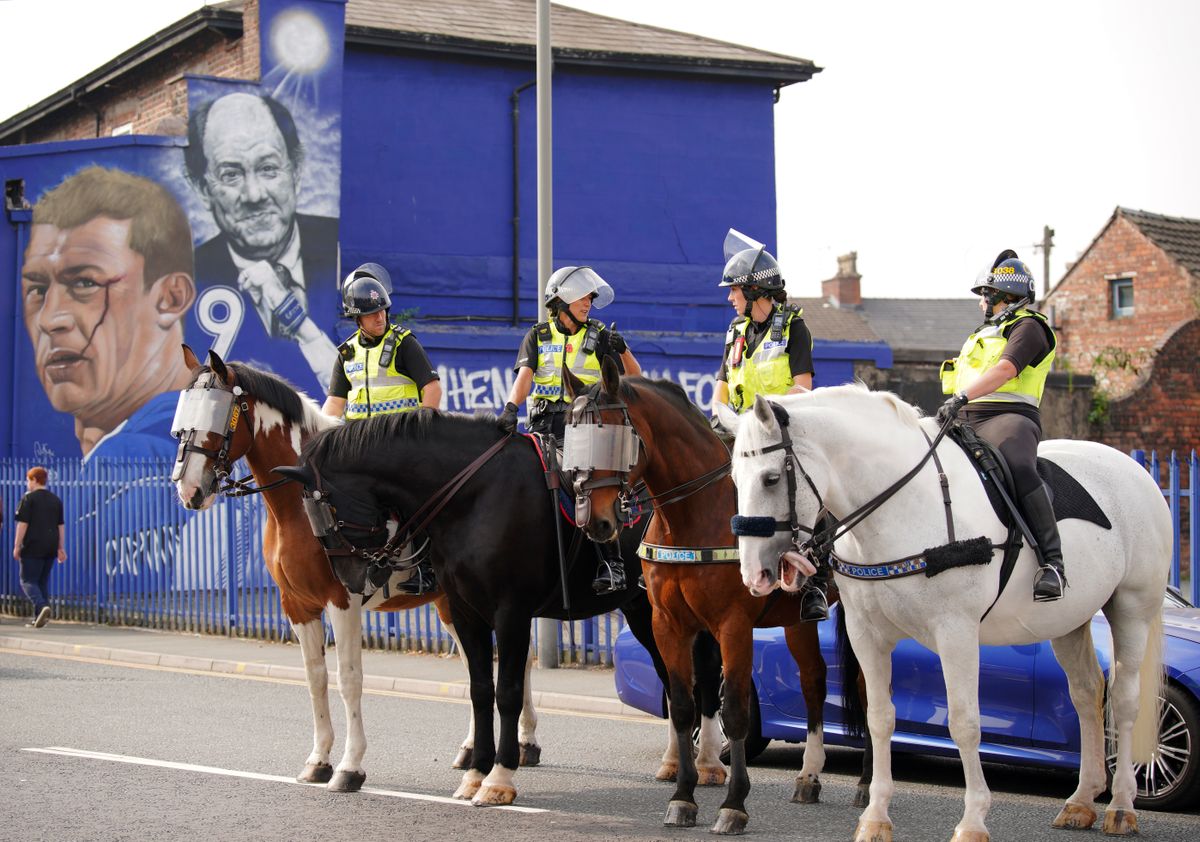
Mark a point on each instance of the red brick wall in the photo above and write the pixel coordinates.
(1164, 295)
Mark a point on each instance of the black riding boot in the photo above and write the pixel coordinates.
(422, 580)
(1051, 576)
(814, 599)
(610, 572)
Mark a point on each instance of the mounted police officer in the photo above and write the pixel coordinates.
(996, 383)
(572, 339)
(381, 370)
(768, 350)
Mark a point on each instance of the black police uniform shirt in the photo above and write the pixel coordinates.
(1027, 345)
(411, 359)
(42, 512)
(527, 357)
(799, 347)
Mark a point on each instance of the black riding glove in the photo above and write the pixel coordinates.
(508, 418)
(949, 410)
(616, 342)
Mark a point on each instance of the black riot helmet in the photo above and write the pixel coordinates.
(366, 291)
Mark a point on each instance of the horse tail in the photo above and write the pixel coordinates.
(1145, 728)
(854, 716)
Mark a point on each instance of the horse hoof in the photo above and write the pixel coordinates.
(730, 822)
(873, 832)
(667, 772)
(464, 758)
(970, 836)
(343, 781)
(491, 795)
(680, 814)
(862, 795)
(807, 791)
(1074, 817)
(710, 776)
(471, 781)
(1120, 823)
(531, 754)
(315, 773)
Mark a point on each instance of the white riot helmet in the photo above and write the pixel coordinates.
(571, 283)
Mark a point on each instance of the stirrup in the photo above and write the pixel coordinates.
(610, 577)
(422, 581)
(814, 605)
(1046, 589)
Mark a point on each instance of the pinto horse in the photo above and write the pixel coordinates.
(695, 584)
(495, 549)
(277, 420)
(870, 461)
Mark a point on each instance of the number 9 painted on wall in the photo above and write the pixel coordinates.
(219, 313)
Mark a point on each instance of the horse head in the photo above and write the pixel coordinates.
(781, 496)
(213, 427)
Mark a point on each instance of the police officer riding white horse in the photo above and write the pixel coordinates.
(381, 370)
(569, 338)
(768, 350)
(996, 385)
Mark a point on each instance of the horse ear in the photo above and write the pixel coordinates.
(190, 359)
(762, 411)
(726, 417)
(573, 387)
(218, 365)
(610, 377)
(297, 473)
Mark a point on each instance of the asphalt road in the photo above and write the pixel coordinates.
(98, 751)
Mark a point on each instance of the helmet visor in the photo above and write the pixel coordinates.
(572, 283)
(736, 241)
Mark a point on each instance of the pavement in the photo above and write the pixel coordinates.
(576, 689)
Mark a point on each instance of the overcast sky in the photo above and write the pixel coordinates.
(938, 133)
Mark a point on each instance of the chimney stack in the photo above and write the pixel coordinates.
(845, 288)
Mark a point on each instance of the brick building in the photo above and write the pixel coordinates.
(1128, 313)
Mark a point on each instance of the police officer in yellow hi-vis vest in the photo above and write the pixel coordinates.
(768, 350)
(569, 337)
(996, 384)
(382, 368)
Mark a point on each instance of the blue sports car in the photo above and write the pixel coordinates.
(1025, 710)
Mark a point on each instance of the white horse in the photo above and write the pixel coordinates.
(847, 445)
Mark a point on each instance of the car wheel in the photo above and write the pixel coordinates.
(756, 743)
(1172, 780)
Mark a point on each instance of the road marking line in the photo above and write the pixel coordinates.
(258, 776)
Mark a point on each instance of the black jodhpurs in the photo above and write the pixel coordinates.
(1016, 436)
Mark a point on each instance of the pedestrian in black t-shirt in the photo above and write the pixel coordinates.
(39, 541)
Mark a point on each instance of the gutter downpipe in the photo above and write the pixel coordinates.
(515, 99)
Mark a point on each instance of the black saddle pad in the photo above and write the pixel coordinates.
(1069, 497)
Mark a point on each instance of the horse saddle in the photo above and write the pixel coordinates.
(1069, 498)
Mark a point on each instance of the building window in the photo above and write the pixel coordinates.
(1122, 297)
(124, 128)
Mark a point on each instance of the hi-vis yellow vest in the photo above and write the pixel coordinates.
(552, 346)
(983, 349)
(768, 370)
(377, 389)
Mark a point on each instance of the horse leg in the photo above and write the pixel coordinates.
(681, 810)
(875, 658)
(706, 660)
(347, 634)
(1076, 654)
(512, 642)
(462, 760)
(958, 648)
(805, 646)
(476, 640)
(638, 618)
(311, 637)
(531, 752)
(737, 655)
(1137, 666)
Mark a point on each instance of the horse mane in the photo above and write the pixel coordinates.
(672, 393)
(836, 397)
(295, 406)
(369, 437)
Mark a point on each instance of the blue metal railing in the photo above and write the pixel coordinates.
(1178, 499)
(137, 558)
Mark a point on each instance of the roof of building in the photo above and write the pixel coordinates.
(923, 324)
(837, 324)
(495, 28)
(1178, 236)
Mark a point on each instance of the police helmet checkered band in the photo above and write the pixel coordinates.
(592, 447)
(571, 283)
(202, 410)
(1008, 275)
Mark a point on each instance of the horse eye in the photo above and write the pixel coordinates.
(771, 479)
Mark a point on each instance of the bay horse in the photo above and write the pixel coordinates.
(684, 465)
(495, 550)
(846, 449)
(269, 432)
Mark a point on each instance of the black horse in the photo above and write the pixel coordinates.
(495, 551)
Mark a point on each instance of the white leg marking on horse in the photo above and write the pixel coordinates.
(497, 788)
(347, 633)
(527, 724)
(468, 744)
(311, 637)
(669, 767)
(709, 753)
(814, 754)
